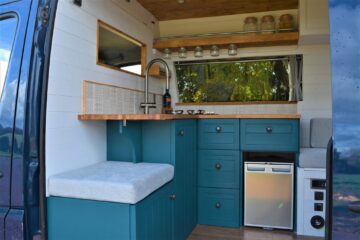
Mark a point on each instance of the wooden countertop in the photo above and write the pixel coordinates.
(182, 116)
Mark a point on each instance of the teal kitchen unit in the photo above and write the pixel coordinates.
(219, 173)
(221, 146)
(207, 188)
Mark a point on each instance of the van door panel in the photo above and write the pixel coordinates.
(14, 222)
(13, 20)
(3, 213)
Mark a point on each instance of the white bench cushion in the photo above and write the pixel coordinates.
(312, 158)
(122, 182)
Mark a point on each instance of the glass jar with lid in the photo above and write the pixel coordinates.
(267, 24)
(251, 24)
(286, 22)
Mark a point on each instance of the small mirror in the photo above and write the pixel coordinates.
(119, 51)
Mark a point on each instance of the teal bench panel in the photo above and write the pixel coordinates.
(153, 216)
(74, 219)
(219, 207)
(219, 168)
(124, 143)
(156, 141)
(218, 134)
(269, 135)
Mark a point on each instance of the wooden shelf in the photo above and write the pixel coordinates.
(242, 41)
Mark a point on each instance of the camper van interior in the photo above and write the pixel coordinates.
(187, 119)
(236, 146)
(230, 143)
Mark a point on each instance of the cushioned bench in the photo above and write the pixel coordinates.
(313, 151)
(111, 181)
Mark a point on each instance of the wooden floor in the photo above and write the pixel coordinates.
(202, 232)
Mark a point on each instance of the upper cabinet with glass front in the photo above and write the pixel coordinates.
(119, 51)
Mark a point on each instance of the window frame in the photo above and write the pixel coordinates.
(134, 40)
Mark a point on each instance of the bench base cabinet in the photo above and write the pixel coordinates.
(155, 217)
(74, 219)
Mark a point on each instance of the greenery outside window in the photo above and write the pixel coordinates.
(243, 80)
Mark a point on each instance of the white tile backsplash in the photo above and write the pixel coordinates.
(110, 99)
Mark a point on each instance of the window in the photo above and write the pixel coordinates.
(244, 80)
(7, 26)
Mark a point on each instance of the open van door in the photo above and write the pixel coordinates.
(25, 38)
(13, 23)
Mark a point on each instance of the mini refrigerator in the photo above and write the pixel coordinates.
(269, 194)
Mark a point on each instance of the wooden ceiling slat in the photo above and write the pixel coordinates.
(170, 9)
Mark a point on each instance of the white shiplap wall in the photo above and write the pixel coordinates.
(71, 143)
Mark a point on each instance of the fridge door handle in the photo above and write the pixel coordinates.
(355, 207)
(281, 170)
(256, 169)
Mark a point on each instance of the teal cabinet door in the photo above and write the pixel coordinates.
(152, 217)
(219, 168)
(219, 207)
(185, 178)
(270, 135)
(218, 134)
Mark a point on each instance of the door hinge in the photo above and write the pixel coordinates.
(44, 14)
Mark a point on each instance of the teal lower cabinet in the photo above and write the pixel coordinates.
(184, 160)
(75, 219)
(269, 135)
(174, 142)
(219, 207)
(219, 173)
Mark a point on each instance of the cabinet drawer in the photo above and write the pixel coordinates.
(219, 134)
(219, 168)
(270, 135)
(219, 207)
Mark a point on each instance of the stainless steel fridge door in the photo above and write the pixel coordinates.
(269, 195)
